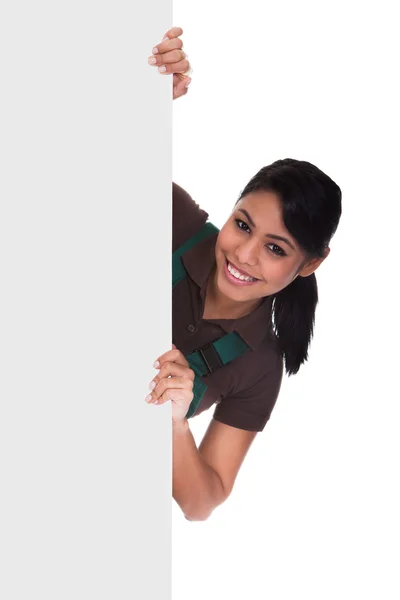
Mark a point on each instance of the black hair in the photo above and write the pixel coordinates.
(312, 206)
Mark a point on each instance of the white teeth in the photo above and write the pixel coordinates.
(238, 275)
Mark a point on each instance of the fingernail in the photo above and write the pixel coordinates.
(156, 365)
(188, 83)
(156, 402)
(162, 69)
(148, 398)
(155, 50)
(165, 39)
(152, 385)
(152, 61)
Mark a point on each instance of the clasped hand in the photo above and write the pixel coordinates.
(173, 382)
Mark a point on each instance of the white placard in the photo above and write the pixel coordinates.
(85, 286)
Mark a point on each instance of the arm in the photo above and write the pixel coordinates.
(203, 478)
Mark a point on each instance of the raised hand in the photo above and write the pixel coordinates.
(170, 58)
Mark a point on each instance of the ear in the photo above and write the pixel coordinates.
(312, 265)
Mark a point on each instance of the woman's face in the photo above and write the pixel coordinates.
(255, 244)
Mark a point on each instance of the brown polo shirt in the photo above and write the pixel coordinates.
(245, 390)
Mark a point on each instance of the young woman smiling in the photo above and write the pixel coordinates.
(244, 301)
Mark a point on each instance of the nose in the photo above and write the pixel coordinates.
(247, 253)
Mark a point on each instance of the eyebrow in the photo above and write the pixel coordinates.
(270, 235)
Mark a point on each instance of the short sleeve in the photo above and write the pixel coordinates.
(187, 216)
(251, 408)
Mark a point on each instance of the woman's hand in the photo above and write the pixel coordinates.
(169, 55)
(174, 382)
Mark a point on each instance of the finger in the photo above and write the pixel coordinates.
(167, 46)
(170, 369)
(180, 67)
(173, 32)
(173, 355)
(179, 383)
(177, 396)
(174, 56)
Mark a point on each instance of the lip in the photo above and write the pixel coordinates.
(233, 279)
(240, 270)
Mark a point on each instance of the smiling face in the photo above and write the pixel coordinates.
(255, 246)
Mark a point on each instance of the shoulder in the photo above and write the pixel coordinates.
(258, 368)
(254, 388)
(263, 374)
(187, 216)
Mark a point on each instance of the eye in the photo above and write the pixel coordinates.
(277, 250)
(242, 225)
(274, 248)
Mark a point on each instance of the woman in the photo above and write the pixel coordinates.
(243, 308)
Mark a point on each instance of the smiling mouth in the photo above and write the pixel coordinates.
(238, 276)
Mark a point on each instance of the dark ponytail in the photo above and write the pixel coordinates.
(311, 208)
(293, 318)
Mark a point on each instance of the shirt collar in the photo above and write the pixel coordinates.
(199, 261)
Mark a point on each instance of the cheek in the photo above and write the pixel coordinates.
(224, 242)
(280, 271)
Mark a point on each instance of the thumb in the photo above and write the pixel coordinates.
(180, 87)
(185, 83)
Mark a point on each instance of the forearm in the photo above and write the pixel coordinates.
(197, 488)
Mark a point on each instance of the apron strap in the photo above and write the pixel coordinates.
(178, 270)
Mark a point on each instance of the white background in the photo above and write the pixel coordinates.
(85, 287)
(314, 513)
